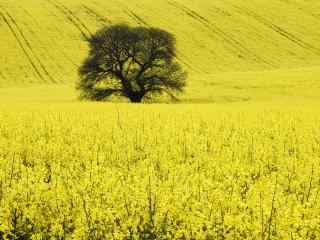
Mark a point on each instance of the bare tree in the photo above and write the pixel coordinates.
(133, 62)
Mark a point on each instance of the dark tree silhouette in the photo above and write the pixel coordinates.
(133, 62)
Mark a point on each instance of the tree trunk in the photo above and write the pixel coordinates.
(136, 97)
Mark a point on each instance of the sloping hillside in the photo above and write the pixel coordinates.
(43, 41)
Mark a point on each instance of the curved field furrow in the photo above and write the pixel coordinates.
(301, 8)
(182, 59)
(85, 32)
(75, 65)
(287, 35)
(95, 15)
(139, 20)
(60, 32)
(28, 44)
(20, 42)
(46, 56)
(237, 47)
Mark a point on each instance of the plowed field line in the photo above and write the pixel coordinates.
(285, 34)
(300, 8)
(21, 45)
(136, 18)
(186, 63)
(62, 50)
(27, 43)
(97, 16)
(237, 46)
(74, 20)
(48, 46)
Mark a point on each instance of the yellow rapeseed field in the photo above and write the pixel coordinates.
(237, 158)
(103, 171)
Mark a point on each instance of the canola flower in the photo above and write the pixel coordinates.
(159, 172)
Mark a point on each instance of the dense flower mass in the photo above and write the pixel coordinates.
(159, 172)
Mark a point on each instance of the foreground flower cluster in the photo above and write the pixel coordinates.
(159, 172)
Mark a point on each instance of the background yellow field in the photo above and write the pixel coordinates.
(233, 50)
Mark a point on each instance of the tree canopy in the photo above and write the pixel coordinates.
(134, 62)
